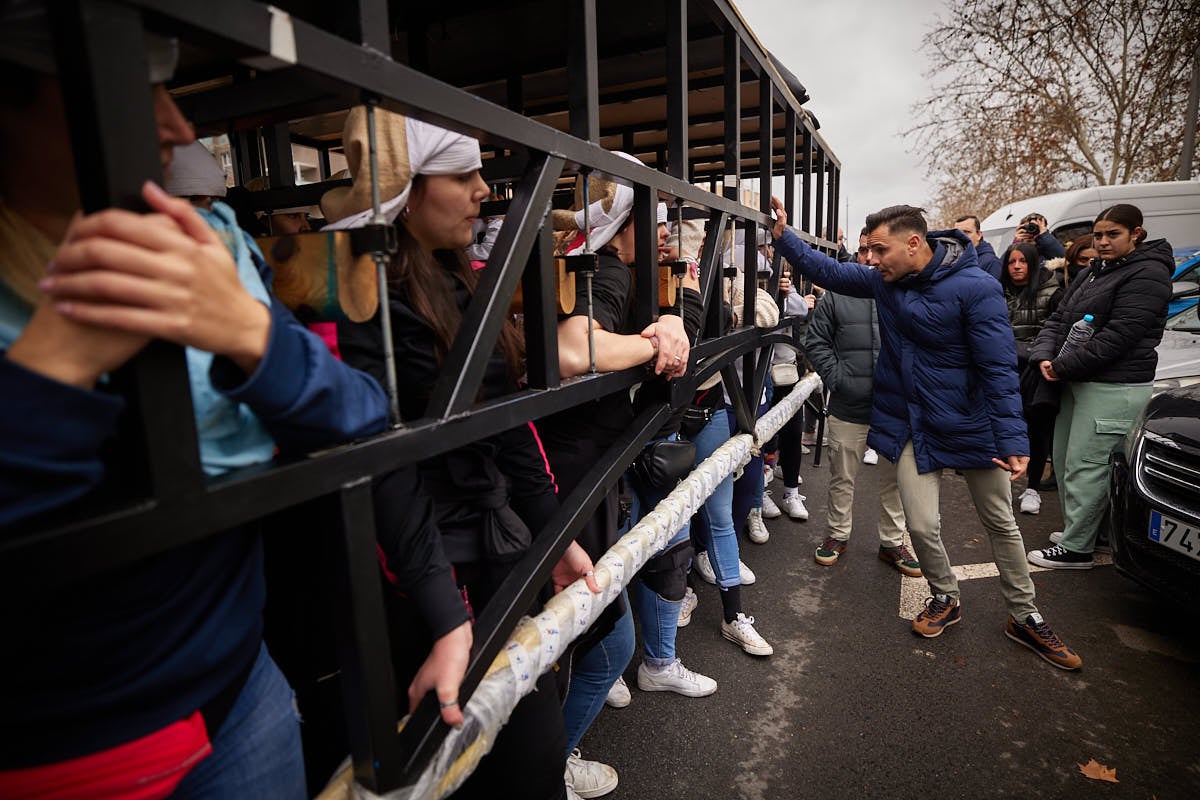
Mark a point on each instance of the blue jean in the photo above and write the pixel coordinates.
(720, 538)
(659, 616)
(748, 489)
(593, 675)
(256, 752)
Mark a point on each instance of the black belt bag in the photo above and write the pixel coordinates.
(661, 465)
(695, 419)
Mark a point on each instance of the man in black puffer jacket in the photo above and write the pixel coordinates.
(842, 344)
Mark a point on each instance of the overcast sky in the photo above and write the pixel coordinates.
(860, 61)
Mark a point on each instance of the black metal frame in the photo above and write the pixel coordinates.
(101, 56)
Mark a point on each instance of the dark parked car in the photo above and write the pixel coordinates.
(1154, 494)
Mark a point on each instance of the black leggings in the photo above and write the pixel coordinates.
(1040, 422)
(789, 439)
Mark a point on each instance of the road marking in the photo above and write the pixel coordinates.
(913, 591)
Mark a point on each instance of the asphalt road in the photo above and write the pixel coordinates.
(853, 705)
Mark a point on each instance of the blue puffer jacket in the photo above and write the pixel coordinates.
(946, 375)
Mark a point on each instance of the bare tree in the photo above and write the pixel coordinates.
(1035, 96)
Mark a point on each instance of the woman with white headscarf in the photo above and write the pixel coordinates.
(490, 496)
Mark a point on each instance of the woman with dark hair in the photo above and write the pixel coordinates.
(1079, 255)
(1105, 380)
(490, 497)
(1032, 292)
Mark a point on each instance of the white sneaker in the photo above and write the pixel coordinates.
(618, 694)
(589, 778)
(703, 568)
(755, 528)
(690, 601)
(870, 457)
(675, 678)
(768, 474)
(1031, 502)
(769, 509)
(741, 632)
(793, 506)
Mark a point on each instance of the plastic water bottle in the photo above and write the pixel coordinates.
(1079, 335)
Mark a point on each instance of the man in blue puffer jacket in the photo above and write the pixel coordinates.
(946, 395)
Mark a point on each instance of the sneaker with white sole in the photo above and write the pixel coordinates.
(1059, 557)
(793, 506)
(588, 779)
(703, 567)
(768, 474)
(742, 633)
(870, 457)
(690, 601)
(675, 678)
(756, 529)
(1101, 546)
(1031, 502)
(618, 694)
(769, 509)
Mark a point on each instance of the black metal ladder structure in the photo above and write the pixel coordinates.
(549, 88)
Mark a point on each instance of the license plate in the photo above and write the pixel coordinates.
(1175, 535)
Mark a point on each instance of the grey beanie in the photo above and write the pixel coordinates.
(194, 172)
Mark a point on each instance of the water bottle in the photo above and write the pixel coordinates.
(1079, 335)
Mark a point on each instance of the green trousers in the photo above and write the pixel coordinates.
(1093, 419)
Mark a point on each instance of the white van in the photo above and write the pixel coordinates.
(1171, 210)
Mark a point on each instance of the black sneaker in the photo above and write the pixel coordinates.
(1059, 557)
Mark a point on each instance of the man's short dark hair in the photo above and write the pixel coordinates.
(865, 231)
(974, 220)
(908, 219)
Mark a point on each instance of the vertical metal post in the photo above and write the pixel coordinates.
(820, 217)
(677, 88)
(541, 328)
(100, 49)
(766, 135)
(368, 678)
(279, 156)
(323, 163)
(645, 202)
(733, 113)
(369, 25)
(789, 164)
(381, 277)
(834, 183)
(583, 98)
(246, 161)
(805, 220)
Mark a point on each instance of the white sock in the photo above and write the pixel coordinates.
(791, 491)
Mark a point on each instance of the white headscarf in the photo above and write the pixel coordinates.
(431, 151)
(194, 172)
(605, 224)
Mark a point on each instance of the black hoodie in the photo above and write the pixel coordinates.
(1128, 298)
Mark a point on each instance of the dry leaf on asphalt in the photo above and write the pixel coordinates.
(1097, 771)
